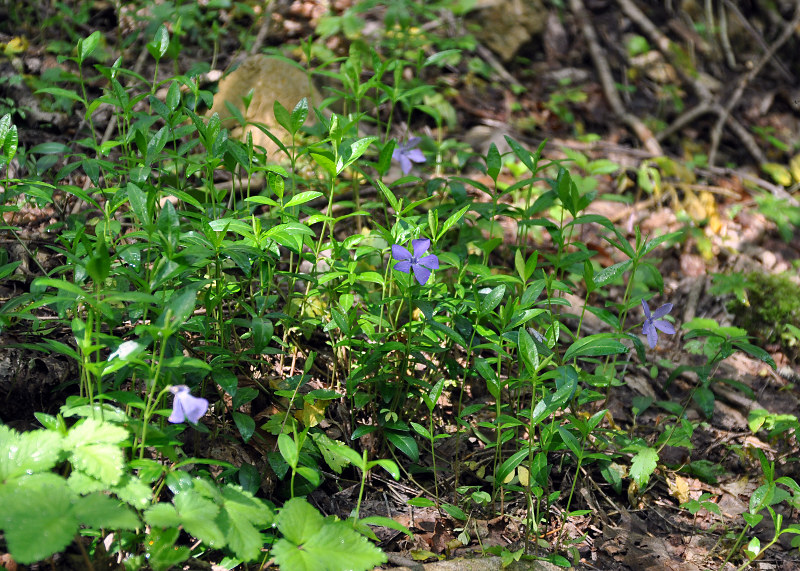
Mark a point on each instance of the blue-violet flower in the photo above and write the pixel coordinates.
(654, 321)
(405, 154)
(416, 262)
(185, 406)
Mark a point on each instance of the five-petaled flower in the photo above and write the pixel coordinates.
(185, 406)
(654, 321)
(416, 262)
(405, 154)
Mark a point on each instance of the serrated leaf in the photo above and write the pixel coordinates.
(330, 450)
(95, 450)
(37, 516)
(334, 546)
(298, 521)
(197, 516)
(643, 465)
(35, 451)
(241, 517)
(102, 512)
(162, 553)
(162, 515)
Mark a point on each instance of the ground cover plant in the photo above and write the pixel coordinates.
(258, 348)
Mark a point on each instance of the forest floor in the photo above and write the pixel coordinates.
(553, 89)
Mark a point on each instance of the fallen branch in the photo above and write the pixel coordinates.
(716, 132)
(607, 81)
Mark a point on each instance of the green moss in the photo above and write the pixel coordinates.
(774, 303)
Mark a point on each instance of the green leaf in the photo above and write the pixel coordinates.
(197, 516)
(510, 465)
(755, 351)
(27, 453)
(37, 516)
(451, 220)
(245, 424)
(643, 465)
(594, 346)
(86, 47)
(95, 450)
(302, 198)
(241, 517)
(405, 443)
(288, 449)
(493, 163)
(158, 47)
(704, 397)
(162, 553)
(492, 299)
(326, 163)
(356, 150)
(298, 521)
(162, 515)
(299, 115)
(659, 240)
(386, 522)
(60, 92)
(611, 272)
(282, 116)
(102, 512)
(334, 546)
(528, 351)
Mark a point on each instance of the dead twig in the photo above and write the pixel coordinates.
(708, 101)
(745, 80)
(776, 63)
(607, 81)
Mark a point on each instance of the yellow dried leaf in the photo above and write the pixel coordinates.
(523, 474)
(794, 166)
(778, 172)
(509, 477)
(16, 46)
(312, 413)
(679, 489)
(423, 554)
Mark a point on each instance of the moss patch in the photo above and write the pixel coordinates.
(774, 304)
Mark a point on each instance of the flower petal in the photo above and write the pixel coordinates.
(652, 337)
(403, 266)
(422, 274)
(187, 407)
(400, 253)
(662, 311)
(178, 414)
(405, 163)
(665, 326)
(416, 156)
(646, 309)
(412, 142)
(431, 262)
(420, 246)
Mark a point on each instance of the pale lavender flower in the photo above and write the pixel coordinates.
(405, 154)
(416, 262)
(185, 406)
(654, 321)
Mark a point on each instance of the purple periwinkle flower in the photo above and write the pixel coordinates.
(185, 406)
(405, 154)
(654, 321)
(416, 262)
